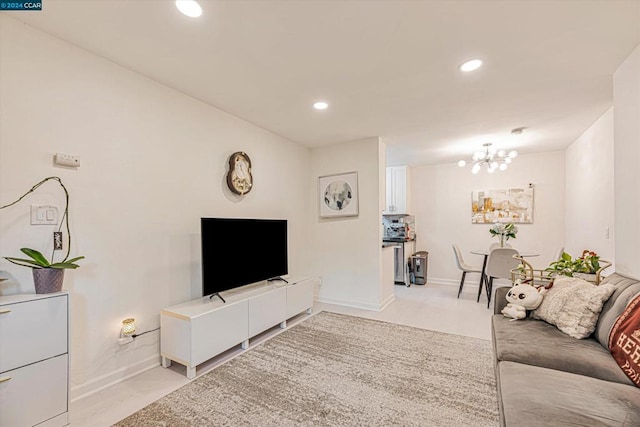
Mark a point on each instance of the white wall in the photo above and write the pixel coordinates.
(346, 251)
(589, 191)
(152, 163)
(441, 197)
(387, 260)
(626, 104)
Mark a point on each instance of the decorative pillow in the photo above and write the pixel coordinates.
(573, 305)
(624, 341)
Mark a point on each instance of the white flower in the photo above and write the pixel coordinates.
(505, 231)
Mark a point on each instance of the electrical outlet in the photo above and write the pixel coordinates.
(57, 240)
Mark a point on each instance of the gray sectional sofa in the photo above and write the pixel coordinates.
(547, 378)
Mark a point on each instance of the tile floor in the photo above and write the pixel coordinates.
(433, 307)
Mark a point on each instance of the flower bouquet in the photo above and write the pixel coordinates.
(503, 231)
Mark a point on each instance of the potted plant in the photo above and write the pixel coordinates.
(587, 266)
(47, 275)
(565, 266)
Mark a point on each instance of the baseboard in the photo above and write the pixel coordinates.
(355, 304)
(105, 381)
(437, 281)
(391, 298)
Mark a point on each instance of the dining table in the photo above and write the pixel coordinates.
(484, 280)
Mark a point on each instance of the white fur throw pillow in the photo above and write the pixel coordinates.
(573, 305)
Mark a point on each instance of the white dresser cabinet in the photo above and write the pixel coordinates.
(34, 360)
(195, 331)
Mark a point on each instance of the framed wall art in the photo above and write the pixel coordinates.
(338, 195)
(510, 205)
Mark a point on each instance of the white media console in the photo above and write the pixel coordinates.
(195, 331)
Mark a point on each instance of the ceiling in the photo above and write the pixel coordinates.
(387, 68)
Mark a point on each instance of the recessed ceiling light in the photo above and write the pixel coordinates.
(320, 105)
(471, 65)
(191, 8)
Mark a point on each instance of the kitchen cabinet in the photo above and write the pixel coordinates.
(398, 190)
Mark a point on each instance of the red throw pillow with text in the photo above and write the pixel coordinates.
(624, 341)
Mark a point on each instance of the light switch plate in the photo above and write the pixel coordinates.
(44, 214)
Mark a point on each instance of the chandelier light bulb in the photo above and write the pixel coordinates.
(492, 158)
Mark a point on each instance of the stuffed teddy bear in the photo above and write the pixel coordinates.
(523, 297)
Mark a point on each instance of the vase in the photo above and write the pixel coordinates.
(502, 241)
(48, 280)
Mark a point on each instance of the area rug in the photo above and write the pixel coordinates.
(339, 370)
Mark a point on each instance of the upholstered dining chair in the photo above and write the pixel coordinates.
(499, 265)
(497, 245)
(464, 267)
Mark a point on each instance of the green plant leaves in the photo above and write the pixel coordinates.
(567, 266)
(70, 263)
(24, 262)
(37, 256)
(40, 261)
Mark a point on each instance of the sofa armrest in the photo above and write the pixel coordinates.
(500, 299)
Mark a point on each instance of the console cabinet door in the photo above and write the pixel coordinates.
(266, 311)
(217, 331)
(300, 297)
(31, 331)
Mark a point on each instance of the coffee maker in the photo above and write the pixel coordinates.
(398, 227)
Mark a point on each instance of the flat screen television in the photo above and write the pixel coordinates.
(239, 251)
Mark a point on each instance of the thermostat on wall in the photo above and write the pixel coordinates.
(67, 160)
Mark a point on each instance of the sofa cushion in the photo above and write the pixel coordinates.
(531, 396)
(626, 289)
(624, 341)
(573, 305)
(538, 343)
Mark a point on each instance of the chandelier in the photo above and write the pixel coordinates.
(491, 158)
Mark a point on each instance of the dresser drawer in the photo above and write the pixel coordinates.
(31, 331)
(34, 393)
